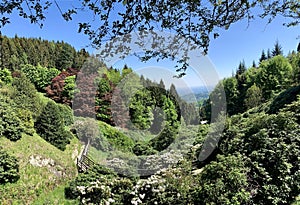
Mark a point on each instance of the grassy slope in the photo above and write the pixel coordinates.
(38, 183)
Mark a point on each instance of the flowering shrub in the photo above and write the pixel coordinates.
(168, 186)
(100, 185)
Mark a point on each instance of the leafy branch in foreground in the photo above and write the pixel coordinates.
(196, 21)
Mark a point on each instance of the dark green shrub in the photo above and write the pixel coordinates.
(50, 126)
(223, 182)
(116, 138)
(27, 121)
(10, 125)
(5, 77)
(9, 168)
(284, 98)
(142, 148)
(25, 96)
(271, 143)
(67, 114)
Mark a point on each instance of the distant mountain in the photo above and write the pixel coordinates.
(194, 94)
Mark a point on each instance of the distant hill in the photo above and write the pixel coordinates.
(194, 94)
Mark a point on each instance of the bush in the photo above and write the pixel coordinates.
(10, 125)
(116, 138)
(50, 126)
(5, 77)
(223, 182)
(168, 186)
(67, 114)
(9, 168)
(27, 122)
(142, 148)
(39, 76)
(284, 98)
(271, 143)
(100, 185)
(25, 96)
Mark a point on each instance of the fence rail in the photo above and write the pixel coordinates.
(83, 161)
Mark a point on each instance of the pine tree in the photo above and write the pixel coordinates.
(162, 84)
(277, 49)
(269, 54)
(241, 69)
(50, 126)
(174, 93)
(253, 64)
(263, 56)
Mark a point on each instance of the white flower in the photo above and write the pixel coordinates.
(111, 200)
(142, 196)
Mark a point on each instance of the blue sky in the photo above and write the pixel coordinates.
(240, 42)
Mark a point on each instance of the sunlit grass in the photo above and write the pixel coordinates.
(35, 181)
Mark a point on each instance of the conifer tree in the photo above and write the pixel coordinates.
(277, 49)
(253, 64)
(263, 56)
(162, 84)
(50, 126)
(241, 69)
(269, 54)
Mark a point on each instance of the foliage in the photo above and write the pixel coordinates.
(103, 100)
(84, 102)
(249, 88)
(19, 51)
(294, 59)
(277, 49)
(141, 109)
(10, 125)
(142, 148)
(253, 97)
(62, 87)
(223, 181)
(69, 87)
(168, 186)
(88, 131)
(50, 126)
(5, 77)
(100, 185)
(27, 121)
(142, 15)
(275, 75)
(284, 98)
(9, 168)
(272, 145)
(40, 76)
(117, 139)
(25, 96)
(66, 114)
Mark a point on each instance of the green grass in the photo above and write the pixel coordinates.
(37, 181)
(55, 197)
(97, 155)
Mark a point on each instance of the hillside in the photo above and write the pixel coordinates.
(43, 168)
